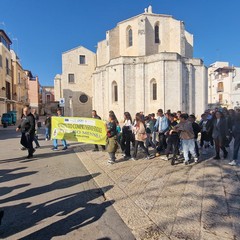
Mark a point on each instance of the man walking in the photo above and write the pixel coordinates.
(27, 128)
(94, 115)
(55, 141)
(161, 126)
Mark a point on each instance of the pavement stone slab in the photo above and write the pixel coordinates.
(190, 208)
(216, 224)
(215, 204)
(185, 228)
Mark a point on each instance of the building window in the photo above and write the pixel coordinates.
(220, 98)
(4, 42)
(83, 98)
(71, 78)
(129, 36)
(82, 59)
(115, 91)
(220, 87)
(156, 32)
(8, 71)
(8, 90)
(48, 98)
(153, 89)
(19, 78)
(237, 86)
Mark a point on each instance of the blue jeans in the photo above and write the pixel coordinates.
(47, 135)
(188, 146)
(55, 143)
(236, 146)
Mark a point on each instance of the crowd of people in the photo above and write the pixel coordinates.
(170, 135)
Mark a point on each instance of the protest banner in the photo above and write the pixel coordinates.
(87, 130)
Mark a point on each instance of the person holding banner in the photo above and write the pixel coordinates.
(94, 115)
(55, 141)
(112, 138)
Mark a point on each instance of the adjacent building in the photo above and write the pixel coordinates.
(34, 91)
(145, 63)
(75, 82)
(223, 85)
(19, 85)
(49, 105)
(6, 103)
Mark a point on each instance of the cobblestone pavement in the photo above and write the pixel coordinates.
(160, 201)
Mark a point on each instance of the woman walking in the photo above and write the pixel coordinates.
(220, 132)
(126, 135)
(140, 137)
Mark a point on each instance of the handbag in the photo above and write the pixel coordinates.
(142, 136)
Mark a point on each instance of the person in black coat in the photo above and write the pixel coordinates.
(236, 135)
(94, 115)
(220, 132)
(27, 128)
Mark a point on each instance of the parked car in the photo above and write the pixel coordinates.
(14, 116)
(6, 119)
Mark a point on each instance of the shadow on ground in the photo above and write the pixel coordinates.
(74, 210)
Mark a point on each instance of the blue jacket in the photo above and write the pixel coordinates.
(164, 125)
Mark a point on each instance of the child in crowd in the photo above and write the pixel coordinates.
(112, 138)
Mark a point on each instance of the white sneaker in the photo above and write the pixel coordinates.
(111, 161)
(196, 160)
(233, 163)
(164, 158)
(134, 159)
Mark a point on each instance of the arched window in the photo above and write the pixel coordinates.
(153, 88)
(115, 91)
(129, 36)
(156, 32)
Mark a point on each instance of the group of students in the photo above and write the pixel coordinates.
(173, 134)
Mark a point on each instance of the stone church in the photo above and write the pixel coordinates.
(145, 63)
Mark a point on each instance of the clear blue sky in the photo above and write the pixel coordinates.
(46, 28)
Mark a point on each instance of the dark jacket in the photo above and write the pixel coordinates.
(220, 130)
(97, 117)
(111, 129)
(28, 124)
(196, 129)
(209, 125)
(48, 122)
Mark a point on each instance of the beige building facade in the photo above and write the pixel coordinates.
(20, 85)
(224, 85)
(75, 83)
(145, 63)
(6, 103)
